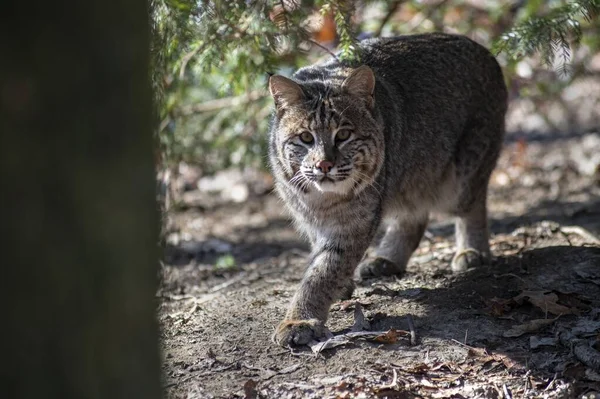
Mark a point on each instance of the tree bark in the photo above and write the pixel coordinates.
(78, 218)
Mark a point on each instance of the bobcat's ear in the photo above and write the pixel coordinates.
(361, 83)
(285, 92)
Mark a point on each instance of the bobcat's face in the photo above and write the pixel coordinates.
(328, 142)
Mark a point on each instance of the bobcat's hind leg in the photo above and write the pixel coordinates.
(400, 240)
(476, 157)
(472, 237)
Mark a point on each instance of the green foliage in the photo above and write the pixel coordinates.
(342, 12)
(225, 262)
(551, 34)
(212, 58)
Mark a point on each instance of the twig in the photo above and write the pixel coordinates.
(391, 385)
(506, 392)
(465, 345)
(187, 58)
(413, 332)
(220, 103)
(551, 383)
(331, 53)
(300, 386)
(527, 383)
(388, 16)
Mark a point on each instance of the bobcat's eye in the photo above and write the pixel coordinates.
(306, 137)
(342, 135)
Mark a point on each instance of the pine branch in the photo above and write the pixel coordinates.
(220, 103)
(550, 35)
(319, 45)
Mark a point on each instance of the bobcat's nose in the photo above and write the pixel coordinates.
(324, 166)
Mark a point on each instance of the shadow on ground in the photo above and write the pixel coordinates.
(219, 341)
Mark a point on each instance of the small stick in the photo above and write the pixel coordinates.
(465, 345)
(393, 384)
(507, 394)
(551, 383)
(411, 327)
(294, 353)
(316, 43)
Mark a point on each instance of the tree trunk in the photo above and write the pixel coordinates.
(78, 216)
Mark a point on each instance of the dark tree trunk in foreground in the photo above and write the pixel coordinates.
(77, 212)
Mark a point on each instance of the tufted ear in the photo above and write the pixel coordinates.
(285, 92)
(361, 83)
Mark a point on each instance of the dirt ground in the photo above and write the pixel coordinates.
(526, 326)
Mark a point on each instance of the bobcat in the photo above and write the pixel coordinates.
(416, 126)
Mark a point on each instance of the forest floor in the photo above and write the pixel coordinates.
(525, 326)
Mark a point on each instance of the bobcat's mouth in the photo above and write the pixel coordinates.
(329, 185)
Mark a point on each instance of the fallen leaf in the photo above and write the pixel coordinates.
(317, 346)
(477, 352)
(499, 306)
(546, 301)
(390, 337)
(529, 327)
(342, 339)
(483, 357)
(507, 361)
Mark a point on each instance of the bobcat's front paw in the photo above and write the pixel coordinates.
(298, 332)
(378, 267)
(466, 259)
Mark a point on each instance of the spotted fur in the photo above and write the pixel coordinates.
(416, 126)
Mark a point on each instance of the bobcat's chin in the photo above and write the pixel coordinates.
(340, 187)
